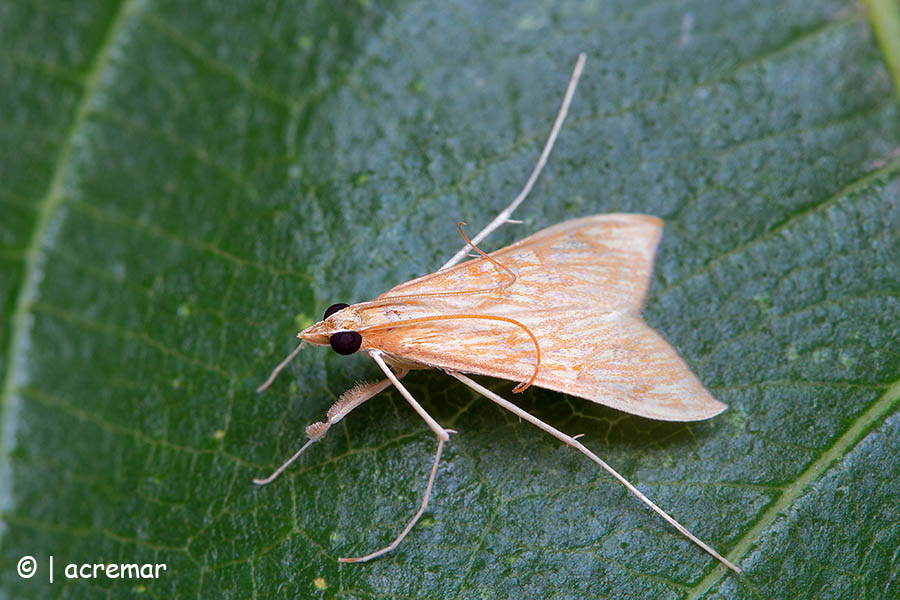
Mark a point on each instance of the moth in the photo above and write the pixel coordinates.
(559, 310)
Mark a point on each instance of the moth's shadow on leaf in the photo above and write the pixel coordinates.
(569, 414)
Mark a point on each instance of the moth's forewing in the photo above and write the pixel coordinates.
(579, 289)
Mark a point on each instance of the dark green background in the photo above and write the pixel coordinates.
(185, 184)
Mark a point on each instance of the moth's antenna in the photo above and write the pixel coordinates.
(278, 369)
(497, 263)
(521, 387)
(503, 217)
(393, 299)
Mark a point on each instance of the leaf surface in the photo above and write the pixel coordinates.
(185, 185)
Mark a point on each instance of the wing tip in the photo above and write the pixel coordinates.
(641, 225)
(633, 217)
(710, 409)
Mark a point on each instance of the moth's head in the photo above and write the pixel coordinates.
(339, 328)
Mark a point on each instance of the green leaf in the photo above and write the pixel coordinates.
(185, 185)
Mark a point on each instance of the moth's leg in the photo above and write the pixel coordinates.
(280, 366)
(439, 431)
(569, 440)
(416, 517)
(442, 436)
(346, 403)
(504, 215)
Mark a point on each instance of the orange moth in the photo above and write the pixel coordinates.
(559, 309)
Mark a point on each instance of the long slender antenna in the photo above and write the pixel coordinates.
(504, 215)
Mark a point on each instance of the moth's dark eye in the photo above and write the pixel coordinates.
(345, 342)
(333, 309)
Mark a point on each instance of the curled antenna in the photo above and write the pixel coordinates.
(497, 263)
(504, 215)
(501, 286)
(521, 387)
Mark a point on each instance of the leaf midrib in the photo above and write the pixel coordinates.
(884, 18)
(46, 207)
(854, 434)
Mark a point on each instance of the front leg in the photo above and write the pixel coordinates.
(346, 403)
(442, 436)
